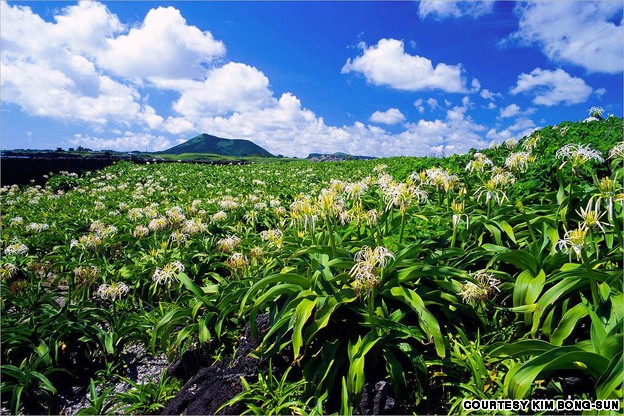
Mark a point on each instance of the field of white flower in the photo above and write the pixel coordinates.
(496, 274)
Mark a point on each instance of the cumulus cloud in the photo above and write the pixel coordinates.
(442, 9)
(104, 75)
(164, 46)
(129, 141)
(510, 111)
(54, 74)
(588, 33)
(391, 116)
(387, 64)
(232, 87)
(552, 87)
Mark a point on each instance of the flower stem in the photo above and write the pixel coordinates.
(402, 228)
(332, 240)
(592, 282)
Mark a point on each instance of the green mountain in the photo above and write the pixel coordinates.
(205, 143)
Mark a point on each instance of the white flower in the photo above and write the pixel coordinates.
(617, 151)
(481, 289)
(368, 262)
(573, 239)
(578, 154)
(228, 244)
(115, 290)
(167, 274)
(16, 249)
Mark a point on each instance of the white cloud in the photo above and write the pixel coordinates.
(387, 64)
(163, 47)
(53, 75)
(552, 87)
(103, 76)
(447, 8)
(584, 33)
(419, 105)
(489, 95)
(232, 87)
(129, 141)
(391, 116)
(510, 111)
(433, 103)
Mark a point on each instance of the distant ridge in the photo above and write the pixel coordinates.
(321, 157)
(206, 143)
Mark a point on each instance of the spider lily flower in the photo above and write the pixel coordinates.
(591, 217)
(578, 155)
(303, 211)
(368, 264)
(36, 227)
(596, 112)
(480, 163)
(219, 216)
(356, 190)
(530, 142)
(402, 195)
(194, 226)
(573, 239)
(330, 203)
(519, 161)
(175, 215)
(491, 192)
(237, 261)
(458, 213)
(115, 290)
(609, 192)
(617, 151)
(274, 237)
(158, 224)
(7, 271)
(140, 231)
(511, 144)
(481, 289)
(228, 244)
(504, 178)
(167, 274)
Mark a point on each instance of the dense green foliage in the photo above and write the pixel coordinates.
(206, 143)
(495, 274)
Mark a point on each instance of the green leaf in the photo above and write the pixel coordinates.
(302, 313)
(357, 353)
(611, 379)
(519, 382)
(568, 323)
(427, 321)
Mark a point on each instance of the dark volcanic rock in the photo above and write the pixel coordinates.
(376, 399)
(212, 386)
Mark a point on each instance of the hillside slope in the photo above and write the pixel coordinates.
(206, 143)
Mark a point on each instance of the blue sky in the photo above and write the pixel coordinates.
(368, 78)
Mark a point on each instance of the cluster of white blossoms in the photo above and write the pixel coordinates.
(228, 244)
(368, 263)
(481, 289)
(490, 190)
(438, 178)
(16, 249)
(519, 161)
(501, 177)
(617, 151)
(8, 270)
(479, 164)
(402, 195)
(168, 273)
(140, 231)
(274, 237)
(114, 291)
(35, 227)
(219, 216)
(194, 226)
(89, 273)
(573, 241)
(578, 155)
(158, 224)
(237, 261)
